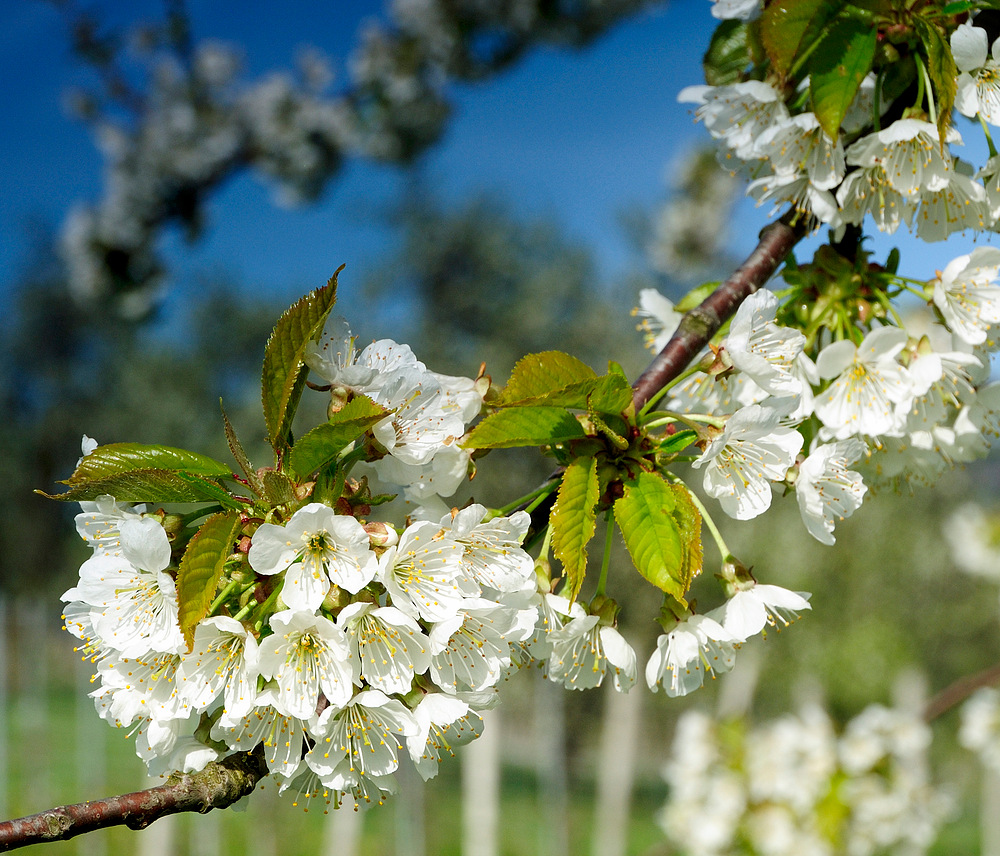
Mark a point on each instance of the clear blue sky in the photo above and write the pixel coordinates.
(575, 135)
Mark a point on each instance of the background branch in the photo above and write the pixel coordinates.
(219, 785)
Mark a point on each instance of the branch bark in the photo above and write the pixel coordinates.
(219, 785)
(955, 693)
(701, 323)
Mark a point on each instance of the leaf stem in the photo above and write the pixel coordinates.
(223, 596)
(720, 542)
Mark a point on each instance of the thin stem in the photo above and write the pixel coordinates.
(606, 558)
(223, 596)
(666, 388)
(720, 542)
(528, 501)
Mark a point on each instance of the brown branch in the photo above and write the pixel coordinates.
(958, 691)
(219, 785)
(701, 323)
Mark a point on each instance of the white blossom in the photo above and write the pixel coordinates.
(742, 461)
(979, 74)
(316, 548)
(763, 350)
(827, 490)
(584, 649)
(697, 646)
(968, 295)
(389, 646)
(749, 610)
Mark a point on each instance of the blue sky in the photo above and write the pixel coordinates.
(578, 136)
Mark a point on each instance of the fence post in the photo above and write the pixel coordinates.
(550, 767)
(615, 770)
(481, 789)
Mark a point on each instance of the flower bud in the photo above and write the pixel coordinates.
(381, 534)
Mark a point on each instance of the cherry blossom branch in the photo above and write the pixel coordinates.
(958, 691)
(701, 323)
(219, 785)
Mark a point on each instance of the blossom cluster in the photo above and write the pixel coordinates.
(794, 786)
(795, 413)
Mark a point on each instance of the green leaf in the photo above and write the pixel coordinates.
(201, 569)
(676, 443)
(155, 486)
(728, 54)
(284, 374)
(573, 520)
(688, 520)
(117, 458)
(837, 68)
(612, 394)
(941, 68)
(278, 487)
(788, 28)
(525, 426)
(538, 376)
(696, 296)
(325, 442)
(646, 518)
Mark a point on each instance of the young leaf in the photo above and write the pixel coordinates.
(790, 27)
(284, 374)
(149, 486)
(117, 458)
(323, 443)
(236, 447)
(645, 515)
(537, 376)
(201, 568)
(728, 54)
(524, 426)
(612, 394)
(573, 520)
(837, 68)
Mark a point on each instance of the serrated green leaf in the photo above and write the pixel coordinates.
(573, 521)
(201, 569)
(728, 54)
(613, 394)
(537, 376)
(325, 442)
(645, 516)
(155, 486)
(836, 69)
(524, 426)
(941, 68)
(688, 520)
(284, 374)
(788, 28)
(116, 458)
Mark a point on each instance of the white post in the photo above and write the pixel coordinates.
(481, 790)
(342, 831)
(409, 805)
(160, 837)
(550, 767)
(989, 813)
(91, 764)
(615, 770)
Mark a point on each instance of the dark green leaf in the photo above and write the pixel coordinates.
(524, 426)
(284, 374)
(728, 54)
(117, 458)
(836, 69)
(789, 28)
(325, 442)
(156, 486)
(201, 569)
(573, 521)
